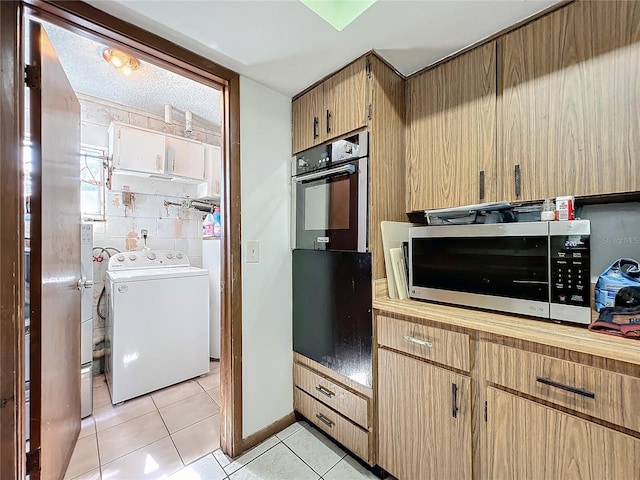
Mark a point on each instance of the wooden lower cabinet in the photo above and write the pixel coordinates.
(527, 440)
(424, 419)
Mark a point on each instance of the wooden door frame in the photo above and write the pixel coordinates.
(12, 393)
(84, 19)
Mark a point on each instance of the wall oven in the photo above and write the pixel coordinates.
(541, 269)
(330, 196)
(332, 322)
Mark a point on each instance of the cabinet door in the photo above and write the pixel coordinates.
(306, 111)
(452, 146)
(213, 169)
(185, 158)
(528, 440)
(138, 150)
(421, 434)
(570, 102)
(345, 100)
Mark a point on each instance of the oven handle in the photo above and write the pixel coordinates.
(326, 173)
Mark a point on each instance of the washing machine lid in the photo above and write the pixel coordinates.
(161, 273)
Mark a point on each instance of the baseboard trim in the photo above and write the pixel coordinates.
(268, 431)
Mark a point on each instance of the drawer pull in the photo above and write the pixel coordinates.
(419, 341)
(324, 420)
(454, 400)
(324, 391)
(568, 388)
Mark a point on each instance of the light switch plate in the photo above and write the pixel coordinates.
(252, 251)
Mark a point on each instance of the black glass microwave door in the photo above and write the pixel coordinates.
(513, 267)
(328, 209)
(332, 321)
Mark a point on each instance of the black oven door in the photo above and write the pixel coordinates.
(331, 208)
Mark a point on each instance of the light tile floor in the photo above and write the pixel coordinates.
(174, 434)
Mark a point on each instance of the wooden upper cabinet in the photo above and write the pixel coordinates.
(306, 112)
(529, 440)
(345, 100)
(337, 106)
(569, 103)
(424, 419)
(452, 139)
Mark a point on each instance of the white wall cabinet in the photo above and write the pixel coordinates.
(185, 158)
(136, 149)
(212, 172)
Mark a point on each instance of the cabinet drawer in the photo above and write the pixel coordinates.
(351, 436)
(602, 394)
(347, 403)
(431, 343)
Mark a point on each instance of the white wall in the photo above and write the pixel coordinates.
(265, 153)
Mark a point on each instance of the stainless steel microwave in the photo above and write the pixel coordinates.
(541, 269)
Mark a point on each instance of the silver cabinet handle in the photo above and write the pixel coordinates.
(325, 391)
(419, 341)
(324, 420)
(84, 283)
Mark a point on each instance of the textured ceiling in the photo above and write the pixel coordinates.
(146, 89)
(284, 45)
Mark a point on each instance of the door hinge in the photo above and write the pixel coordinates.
(33, 461)
(32, 76)
(486, 412)
(368, 69)
(370, 111)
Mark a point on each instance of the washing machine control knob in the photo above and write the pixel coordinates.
(132, 257)
(169, 256)
(120, 258)
(179, 256)
(151, 256)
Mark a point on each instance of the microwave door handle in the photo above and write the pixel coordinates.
(349, 169)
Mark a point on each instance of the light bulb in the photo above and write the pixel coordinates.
(126, 70)
(116, 61)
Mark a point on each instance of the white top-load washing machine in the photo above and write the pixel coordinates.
(157, 327)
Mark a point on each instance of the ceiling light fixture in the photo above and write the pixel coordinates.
(120, 60)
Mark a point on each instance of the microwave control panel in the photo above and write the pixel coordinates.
(570, 270)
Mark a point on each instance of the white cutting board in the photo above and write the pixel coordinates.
(393, 234)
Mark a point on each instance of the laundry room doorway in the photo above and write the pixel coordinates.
(91, 23)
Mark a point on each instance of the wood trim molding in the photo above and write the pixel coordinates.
(231, 346)
(12, 442)
(268, 431)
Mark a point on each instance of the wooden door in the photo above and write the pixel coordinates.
(451, 142)
(346, 100)
(419, 436)
(55, 262)
(529, 440)
(306, 111)
(569, 103)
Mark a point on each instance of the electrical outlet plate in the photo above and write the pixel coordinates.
(252, 251)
